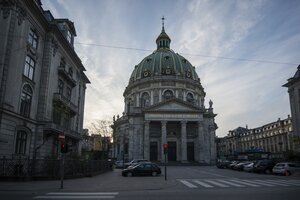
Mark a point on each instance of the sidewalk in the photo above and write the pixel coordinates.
(107, 182)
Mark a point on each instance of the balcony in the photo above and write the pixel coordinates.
(52, 128)
(65, 102)
(62, 71)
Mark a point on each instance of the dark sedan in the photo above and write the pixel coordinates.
(143, 169)
(263, 166)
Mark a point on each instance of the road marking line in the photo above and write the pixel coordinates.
(216, 183)
(275, 183)
(259, 182)
(244, 183)
(74, 197)
(289, 182)
(190, 185)
(203, 184)
(230, 183)
(83, 193)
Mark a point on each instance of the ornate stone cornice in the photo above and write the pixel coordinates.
(11, 5)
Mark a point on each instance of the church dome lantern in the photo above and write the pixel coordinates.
(163, 40)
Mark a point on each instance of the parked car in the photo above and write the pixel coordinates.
(263, 166)
(240, 166)
(119, 164)
(142, 169)
(233, 163)
(286, 168)
(222, 164)
(249, 167)
(133, 162)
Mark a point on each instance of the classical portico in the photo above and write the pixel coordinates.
(164, 104)
(167, 124)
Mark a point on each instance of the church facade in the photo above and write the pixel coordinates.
(164, 104)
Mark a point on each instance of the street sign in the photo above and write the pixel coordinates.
(61, 135)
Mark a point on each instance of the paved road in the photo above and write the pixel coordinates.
(186, 183)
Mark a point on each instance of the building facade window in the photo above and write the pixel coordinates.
(145, 100)
(21, 142)
(66, 121)
(29, 67)
(60, 86)
(26, 99)
(62, 63)
(56, 116)
(168, 94)
(71, 72)
(69, 93)
(32, 39)
(190, 98)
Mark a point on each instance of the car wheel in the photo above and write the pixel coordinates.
(129, 174)
(154, 173)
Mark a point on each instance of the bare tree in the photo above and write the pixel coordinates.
(101, 127)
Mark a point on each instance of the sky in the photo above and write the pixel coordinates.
(243, 51)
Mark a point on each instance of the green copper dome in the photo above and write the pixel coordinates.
(164, 62)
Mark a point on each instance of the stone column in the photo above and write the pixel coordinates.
(151, 98)
(183, 142)
(131, 143)
(201, 142)
(163, 139)
(283, 143)
(137, 100)
(159, 95)
(146, 140)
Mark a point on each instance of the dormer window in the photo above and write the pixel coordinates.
(69, 37)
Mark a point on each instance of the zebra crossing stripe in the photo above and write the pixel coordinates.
(211, 183)
(190, 185)
(290, 182)
(203, 184)
(216, 183)
(230, 183)
(275, 182)
(244, 183)
(259, 182)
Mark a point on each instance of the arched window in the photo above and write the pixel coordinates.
(145, 100)
(168, 94)
(21, 142)
(190, 98)
(26, 99)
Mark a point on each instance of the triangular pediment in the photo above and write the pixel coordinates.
(174, 105)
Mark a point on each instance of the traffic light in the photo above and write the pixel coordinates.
(165, 148)
(63, 148)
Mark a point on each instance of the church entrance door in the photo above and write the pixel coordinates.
(153, 151)
(171, 151)
(190, 151)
